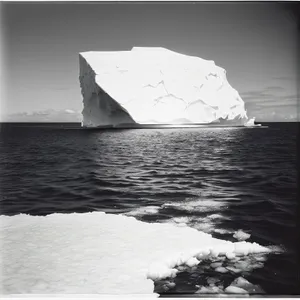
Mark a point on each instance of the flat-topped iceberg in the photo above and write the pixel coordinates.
(155, 86)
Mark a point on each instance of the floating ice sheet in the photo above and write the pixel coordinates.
(94, 253)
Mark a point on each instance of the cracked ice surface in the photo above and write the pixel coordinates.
(155, 85)
(92, 253)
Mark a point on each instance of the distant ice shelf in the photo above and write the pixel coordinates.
(155, 86)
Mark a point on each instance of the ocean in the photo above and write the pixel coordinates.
(216, 180)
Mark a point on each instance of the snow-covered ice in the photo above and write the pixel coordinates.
(247, 286)
(222, 231)
(209, 290)
(155, 85)
(240, 235)
(235, 290)
(92, 253)
(221, 270)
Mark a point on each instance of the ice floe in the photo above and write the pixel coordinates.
(240, 235)
(99, 253)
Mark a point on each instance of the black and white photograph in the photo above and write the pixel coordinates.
(149, 149)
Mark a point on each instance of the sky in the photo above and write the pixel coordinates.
(257, 44)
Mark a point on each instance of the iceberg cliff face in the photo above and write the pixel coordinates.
(155, 85)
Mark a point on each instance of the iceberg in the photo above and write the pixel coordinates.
(155, 86)
(99, 253)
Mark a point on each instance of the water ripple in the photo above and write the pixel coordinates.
(214, 180)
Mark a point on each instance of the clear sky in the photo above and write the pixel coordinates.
(255, 42)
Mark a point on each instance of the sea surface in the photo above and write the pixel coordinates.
(217, 180)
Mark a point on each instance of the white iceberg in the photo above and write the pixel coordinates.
(155, 86)
(99, 253)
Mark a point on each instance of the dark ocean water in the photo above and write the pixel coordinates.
(217, 180)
